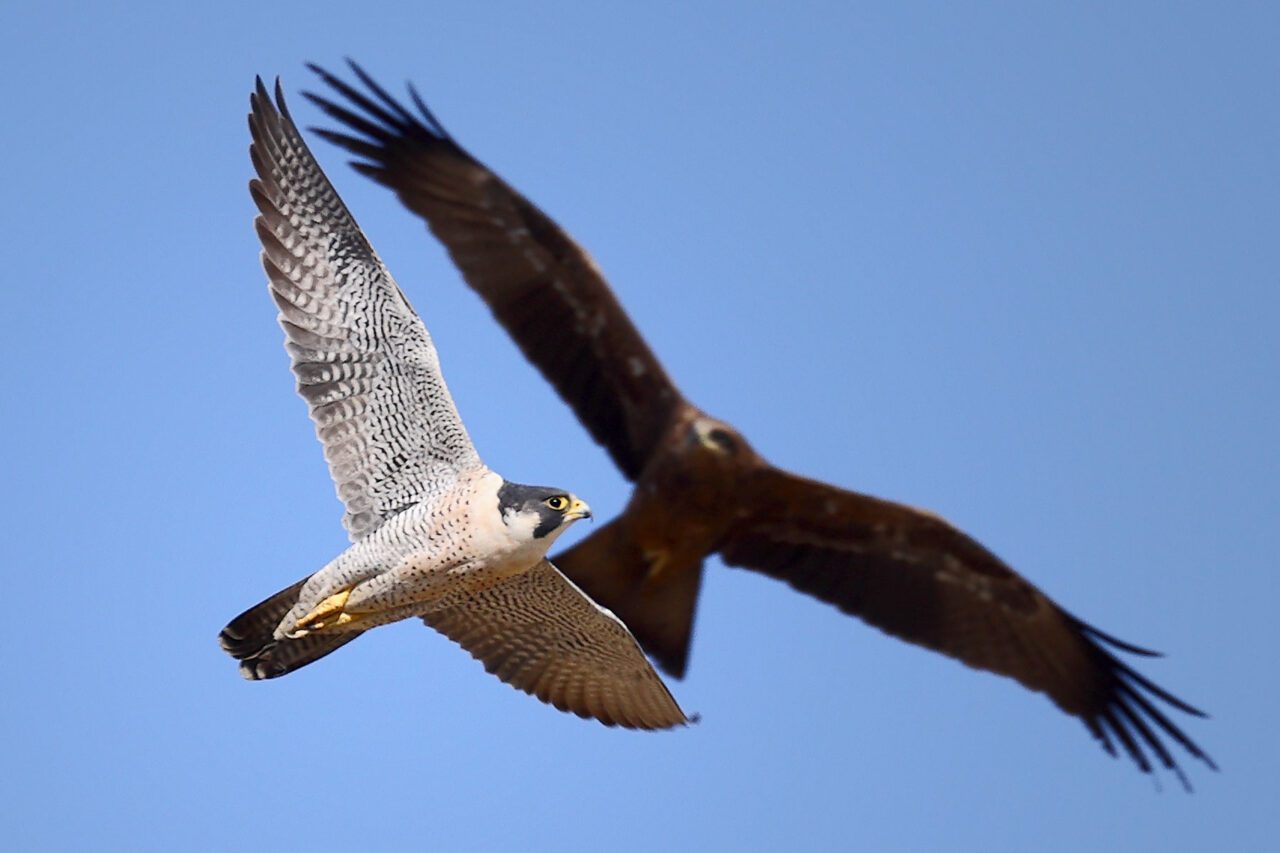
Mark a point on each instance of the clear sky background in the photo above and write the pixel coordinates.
(1015, 265)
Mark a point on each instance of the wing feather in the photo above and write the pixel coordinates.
(541, 286)
(540, 634)
(363, 359)
(920, 579)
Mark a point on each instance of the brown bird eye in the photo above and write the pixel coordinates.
(557, 502)
(723, 440)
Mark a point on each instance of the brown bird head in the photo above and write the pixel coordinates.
(714, 458)
(720, 444)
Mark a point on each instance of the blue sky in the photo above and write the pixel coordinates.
(1012, 264)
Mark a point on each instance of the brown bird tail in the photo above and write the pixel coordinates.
(250, 639)
(654, 599)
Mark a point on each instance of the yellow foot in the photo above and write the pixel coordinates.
(327, 614)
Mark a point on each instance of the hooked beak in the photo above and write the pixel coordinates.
(578, 509)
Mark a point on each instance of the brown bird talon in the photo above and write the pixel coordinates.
(657, 562)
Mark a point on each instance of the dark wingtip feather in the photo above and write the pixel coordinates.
(1128, 693)
(1100, 734)
(1129, 714)
(1126, 739)
(372, 85)
(354, 144)
(399, 118)
(386, 109)
(433, 123)
(1110, 640)
(369, 170)
(1157, 690)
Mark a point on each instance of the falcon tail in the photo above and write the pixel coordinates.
(249, 638)
(655, 598)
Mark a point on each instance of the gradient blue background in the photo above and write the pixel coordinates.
(1015, 265)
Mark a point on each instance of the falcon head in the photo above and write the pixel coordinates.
(540, 511)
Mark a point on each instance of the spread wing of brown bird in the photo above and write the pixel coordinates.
(700, 489)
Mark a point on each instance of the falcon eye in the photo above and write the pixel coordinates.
(557, 503)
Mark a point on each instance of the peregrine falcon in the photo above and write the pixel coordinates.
(436, 534)
(700, 488)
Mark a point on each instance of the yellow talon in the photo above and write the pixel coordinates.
(324, 611)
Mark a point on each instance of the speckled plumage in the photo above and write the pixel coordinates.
(436, 534)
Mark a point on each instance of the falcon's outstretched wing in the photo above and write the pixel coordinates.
(539, 633)
(916, 577)
(363, 359)
(542, 287)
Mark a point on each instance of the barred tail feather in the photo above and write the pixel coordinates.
(249, 638)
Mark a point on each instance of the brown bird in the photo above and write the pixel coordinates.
(700, 488)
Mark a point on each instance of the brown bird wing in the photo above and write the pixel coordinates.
(916, 577)
(541, 286)
(539, 633)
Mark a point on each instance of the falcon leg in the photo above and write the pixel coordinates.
(326, 614)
